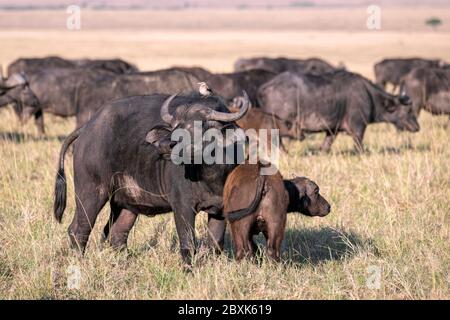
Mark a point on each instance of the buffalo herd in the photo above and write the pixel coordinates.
(125, 118)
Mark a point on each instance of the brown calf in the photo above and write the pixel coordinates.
(254, 203)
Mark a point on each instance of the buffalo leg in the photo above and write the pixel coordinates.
(39, 121)
(114, 214)
(121, 229)
(243, 240)
(185, 225)
(88, 205)
(358, 143)
(328, 142)
(274, 238)
(216, 232)
(358, 134)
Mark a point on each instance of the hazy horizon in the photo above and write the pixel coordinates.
(180, 4)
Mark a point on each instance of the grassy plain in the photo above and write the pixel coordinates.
(390, 206)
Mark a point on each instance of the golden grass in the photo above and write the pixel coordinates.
(390, 210)
(390, 206)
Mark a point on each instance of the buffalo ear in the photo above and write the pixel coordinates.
(156, 134)
(390, 106)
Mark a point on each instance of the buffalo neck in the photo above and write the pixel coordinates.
(213, 176)
(377, 104)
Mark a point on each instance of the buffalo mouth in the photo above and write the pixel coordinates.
(412, 126)
(409, 126)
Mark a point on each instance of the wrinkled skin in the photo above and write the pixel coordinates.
(333, 103)
(125, 165)
(393, 70)
(279, 65)
(429, 89)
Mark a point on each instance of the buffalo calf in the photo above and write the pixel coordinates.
(254, 203)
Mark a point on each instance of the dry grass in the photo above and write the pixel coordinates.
(390, 209)
(391, 205)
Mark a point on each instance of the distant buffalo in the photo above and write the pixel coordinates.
(92, 95)
(15, 90)
(393, 70)
(279, 65)
(333, 103)
(29, 65)
(429, 89)
(199, 72)
(231, 85)
(58, 90)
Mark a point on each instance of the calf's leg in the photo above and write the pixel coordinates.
(242, 239)
(274, 233)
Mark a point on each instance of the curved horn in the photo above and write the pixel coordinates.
(229, 117)
(165, 115)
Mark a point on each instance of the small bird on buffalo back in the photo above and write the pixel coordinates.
(205, 90)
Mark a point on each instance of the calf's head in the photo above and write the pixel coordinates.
(305, 197)
(194, 118)
(16, 90)
(399, 111)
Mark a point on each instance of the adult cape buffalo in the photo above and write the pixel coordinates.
(393, 70)
(279, 65)
(58, 90)
(30, 65)
(80, 92)
(429, 88)
(333, 103)
(92, 95)
(120, 156)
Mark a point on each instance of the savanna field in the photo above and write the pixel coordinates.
(390, 218)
